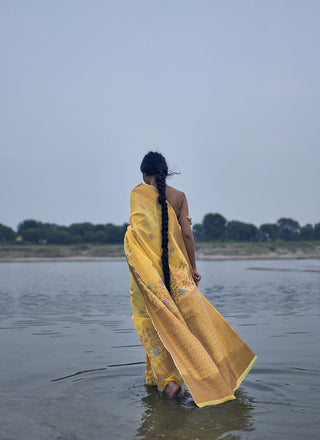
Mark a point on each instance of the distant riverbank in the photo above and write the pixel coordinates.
(258, 250)
(204, 251)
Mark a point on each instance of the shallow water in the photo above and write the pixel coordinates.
(66, 340)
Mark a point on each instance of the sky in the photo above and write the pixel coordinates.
(228, 91)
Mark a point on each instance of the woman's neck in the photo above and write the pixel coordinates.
(150, 180)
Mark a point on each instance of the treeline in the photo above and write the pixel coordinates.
(214, 227)
(32, 231)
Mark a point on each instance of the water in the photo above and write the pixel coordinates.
(66, 340)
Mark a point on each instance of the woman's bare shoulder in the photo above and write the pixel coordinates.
(174, 192)
(175, 198)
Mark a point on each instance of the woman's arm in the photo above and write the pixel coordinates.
(188, 237)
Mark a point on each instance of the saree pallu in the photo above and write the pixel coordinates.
(184, 336)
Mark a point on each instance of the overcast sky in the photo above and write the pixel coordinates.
(228, 91)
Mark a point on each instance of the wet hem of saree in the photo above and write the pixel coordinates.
(244, 374)
(215, 402)
(231, 397)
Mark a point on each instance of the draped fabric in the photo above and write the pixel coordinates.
(184, 336)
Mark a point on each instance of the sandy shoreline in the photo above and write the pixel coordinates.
(204, 251)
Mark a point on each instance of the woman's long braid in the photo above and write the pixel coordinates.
(161, 186)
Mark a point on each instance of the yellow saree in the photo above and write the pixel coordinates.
(184, 337)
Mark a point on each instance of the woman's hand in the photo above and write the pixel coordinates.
(196, 277)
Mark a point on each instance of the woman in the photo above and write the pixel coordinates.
(184, 337)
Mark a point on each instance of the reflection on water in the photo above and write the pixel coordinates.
(182, 419)
(72, 322)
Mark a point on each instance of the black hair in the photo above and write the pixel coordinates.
(154, 164)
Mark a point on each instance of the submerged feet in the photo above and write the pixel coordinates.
(172, 389)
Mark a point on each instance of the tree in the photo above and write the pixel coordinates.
(61, 235)
(239, 231)
(37, 232)
(6, 234)
(307, 232)
(33, 235)
(27, 224)
(115, 234)
(268, 232)
(198, 232)
(214, 226)
(82, 232)
(317, 231)
(288, 229)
